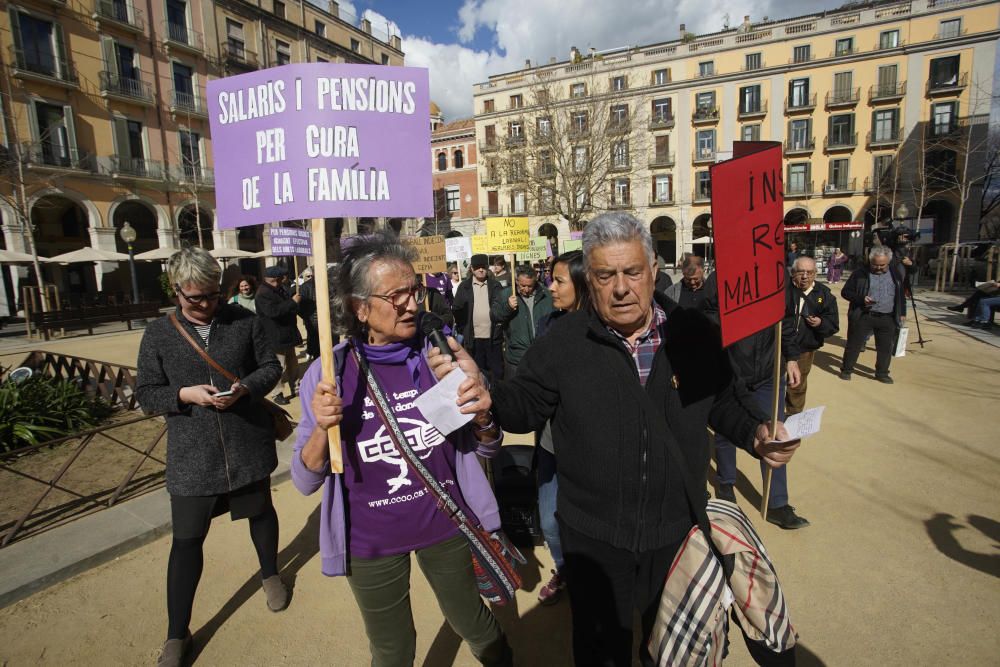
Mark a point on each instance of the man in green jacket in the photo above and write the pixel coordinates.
(519, 314)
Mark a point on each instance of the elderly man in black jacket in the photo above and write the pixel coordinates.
(625, 383)
(878, 305)
(811, 316)
(482, 336)
(277, 311)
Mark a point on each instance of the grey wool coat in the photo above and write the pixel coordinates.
(210, 452)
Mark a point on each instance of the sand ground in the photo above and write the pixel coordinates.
(899, 567)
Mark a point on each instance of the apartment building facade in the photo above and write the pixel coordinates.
(456, 183)
(852, 94)
(105, 119)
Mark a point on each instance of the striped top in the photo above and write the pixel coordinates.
(203, 330)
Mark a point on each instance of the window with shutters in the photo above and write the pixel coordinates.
(798, 179)
(516, 102)
(843, 87)
(518, 202)
(844, 46)
(178, 21)
(191, 153)
(800, 133)
(581, 159)
(454, 198)
(54, 134)
(888, 39)
(184, 95)
(949, 28)
(750, 132)
(798, 93)
(319, 28)
(618, 116)
(488, 106)
(750, 101)
(662, 112)
(235, 40)
(885, 125)
(619, 83)
(944, 118)
(705, 102)
(543, 125)
(279, 9)
(578, 90)
(661, 77)
(515, 129)
(706, 68)
(619, 155)
(282, 52)
(703, 184)
(706, 143)
(39, 46)
(663, 190)
(839, 173)
(662, 149)
(944, 72)
(882, 168)
(802, 54)
(841, 131)
(751, 61)
(579, 122)
(621, 192)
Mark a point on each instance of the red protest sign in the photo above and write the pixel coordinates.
(747, 213)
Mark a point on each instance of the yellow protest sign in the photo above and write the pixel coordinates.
(431, 254)
(507, 235)
(480, 245)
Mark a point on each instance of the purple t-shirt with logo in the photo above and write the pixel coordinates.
(389, 510)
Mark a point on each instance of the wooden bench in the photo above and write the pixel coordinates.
(88, 318)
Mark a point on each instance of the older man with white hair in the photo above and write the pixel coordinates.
(878, 306)
(811, 317)
(630, 386)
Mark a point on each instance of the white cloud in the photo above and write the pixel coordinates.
(540, 29)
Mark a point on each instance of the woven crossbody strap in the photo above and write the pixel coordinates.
(201, 351)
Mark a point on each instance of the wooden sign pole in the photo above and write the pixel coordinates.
(512, 272)
(775, 405)
(325, 333)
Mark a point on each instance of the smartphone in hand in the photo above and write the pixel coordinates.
(223, 394)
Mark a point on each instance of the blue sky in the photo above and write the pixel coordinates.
(463, 42)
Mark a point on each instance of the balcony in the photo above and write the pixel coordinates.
(616, 127)
(490, 180)
(120, 14)
(872, 185)
(620, 164)
(545, 172)
(757, 111)
(192, 175)
(661, 159)
(804, 189)
(188, 104)
(843, 98)
(661, 199)
(803, 105)
(839, 186)
(489, 146)
(236, 57)
(51, 156)
(944, 132)
(954, 85)
(705, 115)
(843, 53)
(515, 141)
(131, 167)
(182, 38)
(491, 211)
(800, 147)
(886, 92)
(125, 89)
(661, 122)
(39, 63)
(701, 195)
(618, 203)
(578, 132)
(889, 137)
(846, 142)
(889, 45)
(951, 34)
(703, 156)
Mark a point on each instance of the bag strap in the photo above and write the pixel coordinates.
(201, 351)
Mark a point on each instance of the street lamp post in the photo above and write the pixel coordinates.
(128, 235)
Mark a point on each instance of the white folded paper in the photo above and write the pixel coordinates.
(804, 424)
(438, 405)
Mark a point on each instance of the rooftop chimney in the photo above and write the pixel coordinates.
(683, 29)
(527, 63)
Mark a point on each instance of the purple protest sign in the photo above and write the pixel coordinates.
(321, 140)
(289, 241)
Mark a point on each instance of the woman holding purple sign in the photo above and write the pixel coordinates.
(381, 509)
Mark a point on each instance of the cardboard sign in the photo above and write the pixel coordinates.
(431, 253)
(572, 244)
(458, 248)
(747, 214)
(289, 241)
(480, 245)
(538, 250)
(319, 140)
(507, 235)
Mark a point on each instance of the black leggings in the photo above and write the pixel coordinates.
(187, 561)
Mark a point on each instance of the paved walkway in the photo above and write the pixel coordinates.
(898, 568)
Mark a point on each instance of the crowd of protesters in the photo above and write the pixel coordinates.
(571, 349)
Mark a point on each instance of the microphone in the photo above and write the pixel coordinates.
(431, 325)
